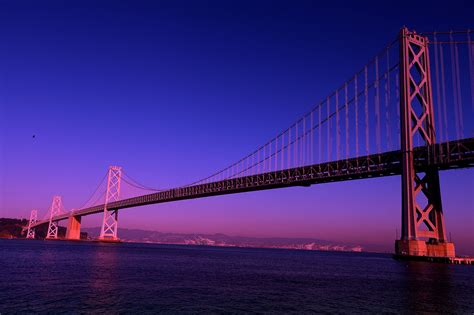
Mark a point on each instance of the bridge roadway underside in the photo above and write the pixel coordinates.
(443, 156)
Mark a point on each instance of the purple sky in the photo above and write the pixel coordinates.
(174, 90)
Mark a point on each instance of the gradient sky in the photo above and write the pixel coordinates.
(174, 90)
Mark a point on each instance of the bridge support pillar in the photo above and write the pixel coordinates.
(55, 210)
(73, 231)
(110, 220)
(33, 219)
(423, 231)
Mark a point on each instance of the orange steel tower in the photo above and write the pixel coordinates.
(423, 231)
(109, 223)
(33, 220)
(54, 211)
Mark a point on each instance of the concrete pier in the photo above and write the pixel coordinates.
(73, 231)
(422, 248)
(441, 252)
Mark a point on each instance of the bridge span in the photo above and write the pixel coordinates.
(409, 111)
(456, 154)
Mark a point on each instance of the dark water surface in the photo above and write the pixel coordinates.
(75, 277)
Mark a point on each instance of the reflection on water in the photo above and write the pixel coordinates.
(40, 276)
(103, 278)
(104, 259)
(431, 283)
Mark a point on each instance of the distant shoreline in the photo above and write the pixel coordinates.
(194, 245)
(13, 228)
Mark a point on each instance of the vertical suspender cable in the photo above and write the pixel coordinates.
(269, 157)
(329, 129)
(356, 105)
(296, 145)
(458, 92)
(246, 172)
(347, 120)
(470, 51)
(454, 85)
(387, 102)
(397, 93)
(443, 95)
(438, 93)
(366, 94)
(282, 155)
(377, 105)
(276, 154)
(259, 164)
(312, 139)
(289, 148)
(265, 158)
(303, 142)
(319, 132)
(252, 168)
(338, 140)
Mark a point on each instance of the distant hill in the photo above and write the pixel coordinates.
(12, 228)
(135, 235)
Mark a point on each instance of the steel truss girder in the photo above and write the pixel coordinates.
(417, 120)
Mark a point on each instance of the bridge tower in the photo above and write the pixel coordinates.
(423, 231)
(109, 223)
(54, 211)
(33, 219)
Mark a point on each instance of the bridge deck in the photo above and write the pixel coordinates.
(448, 155)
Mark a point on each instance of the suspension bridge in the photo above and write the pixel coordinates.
(408, 112)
